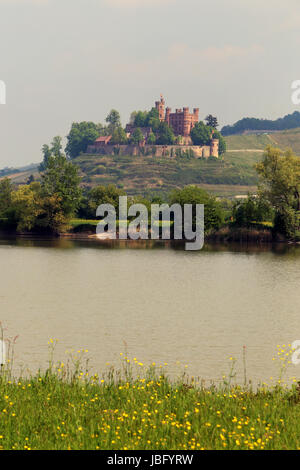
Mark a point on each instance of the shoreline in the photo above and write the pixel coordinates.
(240, 237)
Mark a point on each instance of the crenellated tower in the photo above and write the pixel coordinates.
(160, 106)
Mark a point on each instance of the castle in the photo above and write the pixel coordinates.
(182, 121)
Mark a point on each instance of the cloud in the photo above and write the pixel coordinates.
(211, 54)
(181, 59)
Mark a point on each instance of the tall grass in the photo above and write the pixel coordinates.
(138, 407)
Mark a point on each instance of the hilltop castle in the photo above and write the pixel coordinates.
(182, 121)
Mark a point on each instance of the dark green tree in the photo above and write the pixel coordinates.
(114, 120)
(119, 136)
(165, 134)
(201, 134)
(279, 174)
(46, 155)
(212, 121)
(151, 139)
(153, 120)
(80, 136)
(56, 146)
(140, 119)
(137, 136)
(103, 195)
(5, 196)
(62, 180)
(252, 210)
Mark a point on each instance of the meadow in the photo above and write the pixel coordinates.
(139, 407)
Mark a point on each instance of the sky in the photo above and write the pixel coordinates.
(64, 61)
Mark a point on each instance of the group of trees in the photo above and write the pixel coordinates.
(145, 119)
(279, 174)
(83, 134)
(45, 205)
(290, 121)
(214, 214)
(278, 198)
(253, 210)
(48, 204)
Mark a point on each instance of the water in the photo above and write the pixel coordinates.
(166, 305)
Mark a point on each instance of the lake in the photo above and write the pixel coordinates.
(161, 303)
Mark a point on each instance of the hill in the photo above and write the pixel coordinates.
(290, 121)
(233, 175)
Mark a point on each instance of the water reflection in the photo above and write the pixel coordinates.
(167, 304)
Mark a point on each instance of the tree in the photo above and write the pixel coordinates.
(80, 136)
(56, 146)
(5, 196)
(26, 203)
(113, 119)
(153, 120)
(151, 139)
(46, 155)
(33, 210)
(146, 119)
(279, 174)
(137, 136)
(201, 134)
(140, 119)
(165, 134)
(212, 121)
(213, 213)
(252, 210)
(61, 179)
(103, 195)
(119, 136)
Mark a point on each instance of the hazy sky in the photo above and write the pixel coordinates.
(73, 60)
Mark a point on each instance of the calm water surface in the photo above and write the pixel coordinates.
(165, 304)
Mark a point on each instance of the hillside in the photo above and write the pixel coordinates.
(142, 175)
(290, 121)
(233, 175)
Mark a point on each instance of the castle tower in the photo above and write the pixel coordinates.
(160, 106)
(196, 115)
(168, 112)
(186, 123)
(214, 148)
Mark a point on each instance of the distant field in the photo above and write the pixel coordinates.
(287, 139)
(241, 142)
(283, 139)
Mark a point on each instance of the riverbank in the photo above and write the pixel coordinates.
(224, 236)
(60, 409)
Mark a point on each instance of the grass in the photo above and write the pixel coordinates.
(138, 407)
(146, 175)
(242, 142)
